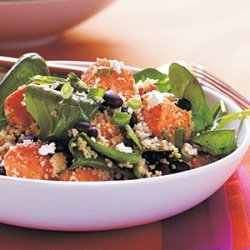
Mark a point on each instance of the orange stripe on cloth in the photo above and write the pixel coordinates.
(237, 209)
(145, 237)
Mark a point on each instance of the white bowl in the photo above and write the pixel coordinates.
(34, 22)
(89, 206)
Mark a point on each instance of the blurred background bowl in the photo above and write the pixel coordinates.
(35, 22)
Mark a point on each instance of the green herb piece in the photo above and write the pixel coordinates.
(177, 155)
(133, 136)
(223, 107)
(185, 156)
(216, 142)
(98, 162)
(121, 118)
(111, 153)
(137, 169)
(76, 82)
(223, 121)
(184, 84)
(26, 67)
(162, 84)
(105, 71)
(164, 134)
(54, 114)
(179, 137)
(96, 92)
(134, 103)
(49, 80)
(215, 109)
(67, 90)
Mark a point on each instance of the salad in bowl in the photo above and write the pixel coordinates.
(109, 123)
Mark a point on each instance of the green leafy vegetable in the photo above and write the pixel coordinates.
(50, 80)
(134, 103)
(96, 92)
(112, 153)
(54, 114)
(215, 109)
(133, 136)
(184, 84)
(76, 82)
(223, 121)
(185, 157)
(179, 137)
(164, 134)
(137, 169)
(162, 84)
(223, 108)
(67, 90)
(121, 118)
(216, 142)
(26, 67)
(80, 160)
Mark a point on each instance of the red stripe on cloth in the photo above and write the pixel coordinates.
(238, 208)
(145, 237)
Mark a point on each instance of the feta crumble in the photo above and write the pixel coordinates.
(116, 65)
(154, 98)
(122, 148)
(47, 149)
(189, 149)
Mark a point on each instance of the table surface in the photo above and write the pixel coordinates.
(147, 33)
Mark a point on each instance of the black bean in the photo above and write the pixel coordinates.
(88, 128)
(113, 100)
(184, 104)
(101, 107)
(178, 166)
(133, 120)
(2, 171)
(92, 132)
(26, 138)
(124, 109)
(164, 168)
(150, 156)
(153, 156)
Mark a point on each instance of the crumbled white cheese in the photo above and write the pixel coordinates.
(130, 110)
(122, 148)
(47, 149)
(117, 66)
(189, 149)
(154, 98)
(147, 84)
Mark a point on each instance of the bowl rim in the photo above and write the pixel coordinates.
(30, 2)
(243, 146)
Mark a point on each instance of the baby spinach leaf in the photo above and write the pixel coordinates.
(112, 153)
(184, 84)
(151, 73)
(216, 142)
(54, 114)
(223, 121)
(27, 66)
(76, 82)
